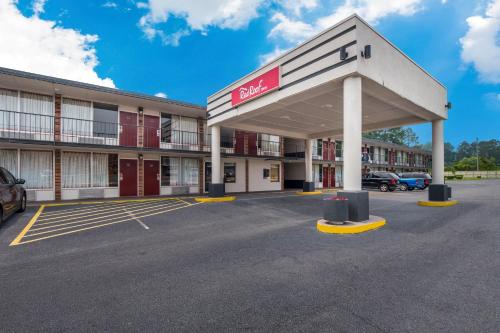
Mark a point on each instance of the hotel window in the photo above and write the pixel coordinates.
(275, 173)
(319, 148)
(229, 172)
(177, 129)
(37, 113)
(170, 171)
(8, 160)
(36, 169)
(338, 149)
(317, 173)
(75, 170)
(269, 144)
(105, 120)
(77, 117)
(190, 168)
(104, 170)
(8, 108)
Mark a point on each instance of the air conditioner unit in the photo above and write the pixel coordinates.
(91, 140)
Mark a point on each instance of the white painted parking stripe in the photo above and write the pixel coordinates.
(137, 220)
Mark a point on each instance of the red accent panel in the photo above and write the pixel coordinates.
(332, 177)
(128, 132)
(259, 86)
(151, 177)
(332, 151)
(252, 144)
(151, 131)
(128, 178)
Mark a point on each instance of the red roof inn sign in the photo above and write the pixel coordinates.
(261, 85)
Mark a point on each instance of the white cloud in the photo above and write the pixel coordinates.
(199, 15)
(42, 47)
(110, 4)
(296, 6)
(291, 30)
(268, 57)
(371, 10)
(481, 43)
(161, 94)
(38, 7)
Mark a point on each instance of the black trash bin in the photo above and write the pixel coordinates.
(336, 210)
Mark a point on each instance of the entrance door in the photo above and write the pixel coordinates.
(326, 176)
(128, 129)
(239, 147)
(151, 177)
(208, 175)
(332, 177)
(128, 178)
(252, 144)
(151, 131)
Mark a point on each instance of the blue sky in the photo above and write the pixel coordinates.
(189, 49)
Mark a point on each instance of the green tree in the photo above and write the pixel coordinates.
(470, 164)
(401, 136)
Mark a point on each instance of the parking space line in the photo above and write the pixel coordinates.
(137, 220)
(84, 222)
(17, 240)
(93, 227)
(43, 220)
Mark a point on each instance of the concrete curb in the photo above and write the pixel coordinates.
(373, 223)
(217, 199)
(437, 203)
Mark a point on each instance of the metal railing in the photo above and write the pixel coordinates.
(26, 126)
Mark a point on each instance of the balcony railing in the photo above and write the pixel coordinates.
(26, 126)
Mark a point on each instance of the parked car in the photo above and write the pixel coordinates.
(12, 195)
(409, 184)
(419, 175)
(384, 181)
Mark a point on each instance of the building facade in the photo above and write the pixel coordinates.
(71, 140)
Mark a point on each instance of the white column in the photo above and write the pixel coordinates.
(438, 151)
(352, 133)
(215, 149)
(308, 160)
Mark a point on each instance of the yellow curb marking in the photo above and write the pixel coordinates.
(437, 203)
(354, 228)
(309, 193)
(17, 240)
(219, 199)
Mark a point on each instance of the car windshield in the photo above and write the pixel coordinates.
(393, 175)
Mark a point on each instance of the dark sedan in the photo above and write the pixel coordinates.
(12, 195)
(384, 181)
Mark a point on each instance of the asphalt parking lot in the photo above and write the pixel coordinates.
(255, 264)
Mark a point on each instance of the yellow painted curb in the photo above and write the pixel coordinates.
(437, 203)
(218, 199)
(351, 227)
(309, 193)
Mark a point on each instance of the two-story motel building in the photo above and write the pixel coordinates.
(71, 140)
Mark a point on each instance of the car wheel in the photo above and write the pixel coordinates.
(22, 208)
(403, 187)
(383, 188)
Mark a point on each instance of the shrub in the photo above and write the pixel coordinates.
(459, 176)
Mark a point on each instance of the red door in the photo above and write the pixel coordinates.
(239, 147)
(151, 132)
(326, 177)
(128, 129)
(151, 177)
(332, 177)
(325, 151)
(252, 144)
(128, 178)
(332, 150)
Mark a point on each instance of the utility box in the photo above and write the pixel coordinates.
(336, 210)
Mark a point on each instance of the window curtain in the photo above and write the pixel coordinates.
(271, 143)
(189, 130)
(77, 117)
(75, 170)
(37, 112)
(175, 174)
(316, 173)
(176, 129)
(8, 160)
(100, 172)
(189, 171)
(8, 108)
(36, 169)
(207, 134)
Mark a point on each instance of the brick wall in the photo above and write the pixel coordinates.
(57, 174)
(57, 118)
